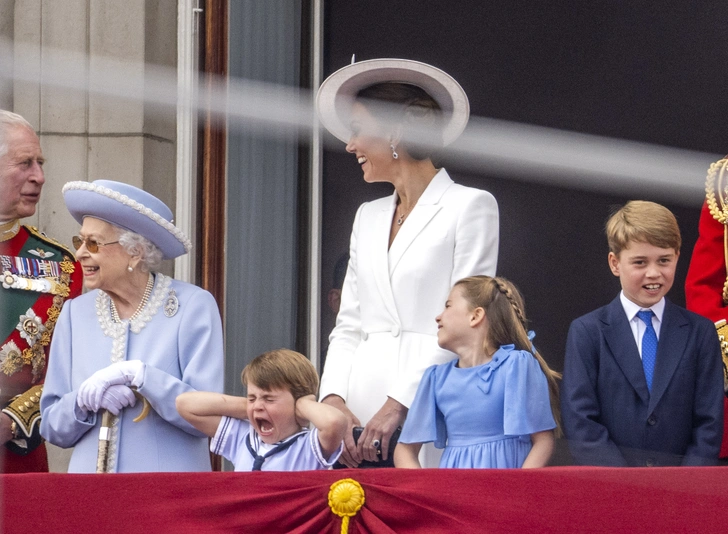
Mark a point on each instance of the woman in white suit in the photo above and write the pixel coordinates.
(406, 250)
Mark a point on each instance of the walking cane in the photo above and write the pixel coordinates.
(107, 421)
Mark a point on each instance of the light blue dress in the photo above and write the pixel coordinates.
(482, 416)
(183, 351)
(305, 453)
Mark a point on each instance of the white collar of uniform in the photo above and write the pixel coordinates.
(631, 309)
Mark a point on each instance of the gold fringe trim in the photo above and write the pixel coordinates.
(722, 328)
(716, 196)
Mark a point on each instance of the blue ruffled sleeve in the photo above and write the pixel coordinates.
(527, 408)
(425, 422)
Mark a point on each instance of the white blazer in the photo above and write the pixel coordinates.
(385, 335)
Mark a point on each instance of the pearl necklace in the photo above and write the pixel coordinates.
(145, 298)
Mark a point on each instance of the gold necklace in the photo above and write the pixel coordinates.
(145, 298)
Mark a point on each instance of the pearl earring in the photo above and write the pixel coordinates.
(394, 152)
(130, 268)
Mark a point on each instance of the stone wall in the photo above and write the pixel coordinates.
(87, 136)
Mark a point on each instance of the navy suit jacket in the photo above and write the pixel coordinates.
(609, 416)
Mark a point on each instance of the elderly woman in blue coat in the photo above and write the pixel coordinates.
(134, 329)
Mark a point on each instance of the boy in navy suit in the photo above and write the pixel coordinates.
(643, 383)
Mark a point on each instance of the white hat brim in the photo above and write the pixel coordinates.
(334, 97)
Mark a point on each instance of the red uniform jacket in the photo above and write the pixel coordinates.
(27, 319)
(704, 283)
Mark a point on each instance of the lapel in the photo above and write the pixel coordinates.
(674, 333)
(423, 212)
(379, 253)
(620, 341)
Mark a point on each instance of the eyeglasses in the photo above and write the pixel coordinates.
(91, 244)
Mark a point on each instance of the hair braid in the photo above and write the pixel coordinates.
(507, 324)
(505, 290)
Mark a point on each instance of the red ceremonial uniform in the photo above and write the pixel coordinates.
(37, 276)
(705, 281)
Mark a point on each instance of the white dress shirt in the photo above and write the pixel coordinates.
(638, 325)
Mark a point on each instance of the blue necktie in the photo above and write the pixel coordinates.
(649, 346)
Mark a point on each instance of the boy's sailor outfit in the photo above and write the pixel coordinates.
(236, 440)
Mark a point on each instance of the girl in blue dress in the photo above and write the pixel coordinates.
(496, 404)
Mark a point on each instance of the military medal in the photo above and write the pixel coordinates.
(30, 327)
(41, 285)
(30, 268)
(11, 358)
(32, 275)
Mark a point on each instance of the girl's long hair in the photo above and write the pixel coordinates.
(507, 324)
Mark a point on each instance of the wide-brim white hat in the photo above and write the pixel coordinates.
(130, 208)
(337, 92)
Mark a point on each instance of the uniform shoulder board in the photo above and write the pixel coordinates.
(43, 237)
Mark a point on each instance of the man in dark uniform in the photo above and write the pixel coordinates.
(37, 275)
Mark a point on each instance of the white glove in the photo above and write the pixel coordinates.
(121, 373)
(116, 398)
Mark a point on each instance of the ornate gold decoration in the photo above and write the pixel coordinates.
(346, 497)
(717, 171)
(722, 328)
(716, 196)
(11, 358)
(24, 409)
(53, 314)
(28, 356)
(9, 230)
(67, 266)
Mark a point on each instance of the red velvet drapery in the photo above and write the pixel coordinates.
(557, 499)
